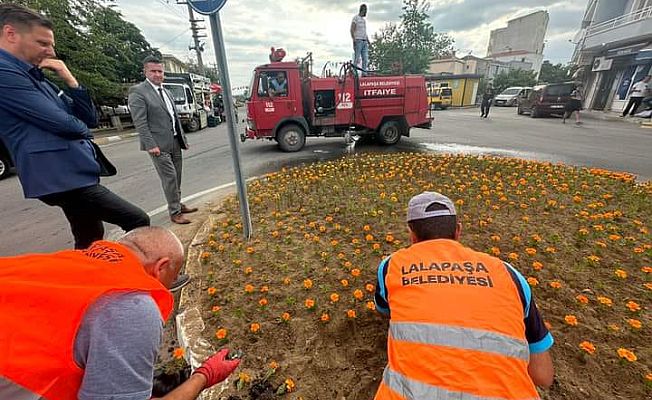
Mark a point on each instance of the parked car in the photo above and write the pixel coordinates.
(6, 163)
(509, 96)
(544, 100)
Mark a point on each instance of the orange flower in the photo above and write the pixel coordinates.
(648, 285)
(250, 250)
(532, 281)
(289, 385)
(178, 353)
(344, 282)
(647, 269)
(620, 273)
(369, 287)
(221, 333)
(551, 249)
(310, 304)
(262, 302)
(264, 289)
(287, 281)
(358, 294)
(273, 365)
(355, 272)
(555, 284)
(633, 306)
(285, 316)
(307, 283)
(634, 323)
(369, 237)
(495, 238)
(513, 256)
(348, 264)
(588, 347)
(389, 238)
(335, 297)
(648, 376)
(613, 327)
(216, 309)
(583, 231)
(366, 228)
(605, 300)
(249, 288)
(350, 313)
(582, 299)
(371, 305)
(375, 246)
(537, 265)
(255, 327)
(531, 251)
(248, 270)
(571, 320)
(325, 317)
(211, 291)
(495, 251)
(627, 354)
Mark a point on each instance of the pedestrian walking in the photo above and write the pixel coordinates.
(574, 104)
(487, 98)
(87, 324)
(360, 39)
(460, 311)
(638, 92)
(47, 130)
(161, 136)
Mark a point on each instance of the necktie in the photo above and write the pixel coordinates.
(160, 92)
(174, 124)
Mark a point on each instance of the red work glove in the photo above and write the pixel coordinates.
(217, 368)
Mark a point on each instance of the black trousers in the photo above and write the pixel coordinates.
(633, 101)
(484, 108)
(86, 209)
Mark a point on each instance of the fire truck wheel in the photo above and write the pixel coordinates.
(389, 132)
(291, 138)
(193, 125)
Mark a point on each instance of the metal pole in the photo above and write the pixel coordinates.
(195, 37)
(220, 56)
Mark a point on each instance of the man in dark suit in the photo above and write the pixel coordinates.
(47, 130)
(156, 120)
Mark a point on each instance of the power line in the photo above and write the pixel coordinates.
(176, 37)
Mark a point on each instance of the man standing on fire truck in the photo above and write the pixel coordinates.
(360, 39)
(463, 324)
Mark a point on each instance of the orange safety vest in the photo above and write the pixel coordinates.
(456, 328)
(42, 302)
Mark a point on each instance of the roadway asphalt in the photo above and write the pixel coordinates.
(30, 226)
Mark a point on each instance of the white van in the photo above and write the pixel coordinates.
(509, 96)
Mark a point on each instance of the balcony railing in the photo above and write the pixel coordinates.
(625, 19)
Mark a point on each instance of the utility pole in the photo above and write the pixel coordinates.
(196, 35)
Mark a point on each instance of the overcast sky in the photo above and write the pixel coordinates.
(322, 26)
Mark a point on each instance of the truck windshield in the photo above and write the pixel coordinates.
(177, 93)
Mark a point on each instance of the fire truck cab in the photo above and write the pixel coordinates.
(287, 103)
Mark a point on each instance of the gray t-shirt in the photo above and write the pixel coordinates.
(116, 345)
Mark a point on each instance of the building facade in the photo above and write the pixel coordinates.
(173, 64)
(464, 87)
(613, 51)
(521, 42)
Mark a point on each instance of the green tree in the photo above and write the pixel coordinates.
(410, 46)
(515, 77)
(551, 73)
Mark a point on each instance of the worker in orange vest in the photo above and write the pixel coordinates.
(87, 324)
(463, 324)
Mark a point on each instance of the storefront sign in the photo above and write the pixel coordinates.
(602, 64)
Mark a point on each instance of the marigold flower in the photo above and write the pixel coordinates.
(513, 256)
(179, 353)
(249, 288)
(287, 281)
(495, 251)
(273, 365)
(583, 231)
(264, 289)
(262, 302)
(370, 305)
(344, 282)
(633, 306)
(620, 273)
(211, 290)
(289, 385)
(375, 246)
(366, 228)
(350, 313)
(334, 242)
(593, 258)
(369, 237)
(571, 320)
(495, 238)
(389, 238)
(248, 270)
(325, 317)
(537, 265)
(627, 354)
(250, 250)
(285, 316)
(605, 300)
(309, 303)
(551, 250)
(358, 294)
(555, 284)
(335, 297)
(532, 281)
(647, 269)
(582, 299)
(221, 333)
(369, 287)
(355, 272)
(307, 283)
(634, 323)
(255, 327)
(648, 376)
(588, 347)
(648, 285)
(531, 251)
(216, 309)
(613, 327)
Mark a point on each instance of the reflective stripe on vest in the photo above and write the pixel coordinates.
(411, 389)
(464, 338)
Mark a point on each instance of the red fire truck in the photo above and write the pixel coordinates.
(287, 103)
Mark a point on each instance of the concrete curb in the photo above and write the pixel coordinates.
(112, 139)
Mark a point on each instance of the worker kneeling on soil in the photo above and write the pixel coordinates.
(87, 324)
(463, 324)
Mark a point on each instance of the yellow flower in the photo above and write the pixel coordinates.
(289, 385)
(344, 282)
(513, 256)
(613, 327)
(620, 273)
(605, 300)
(307, 283)
(250, 250)
(531, 251)
(627, 354)
(248, 270)
(389, 238)
(287, 281)
(593, 258)
(588, 347)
